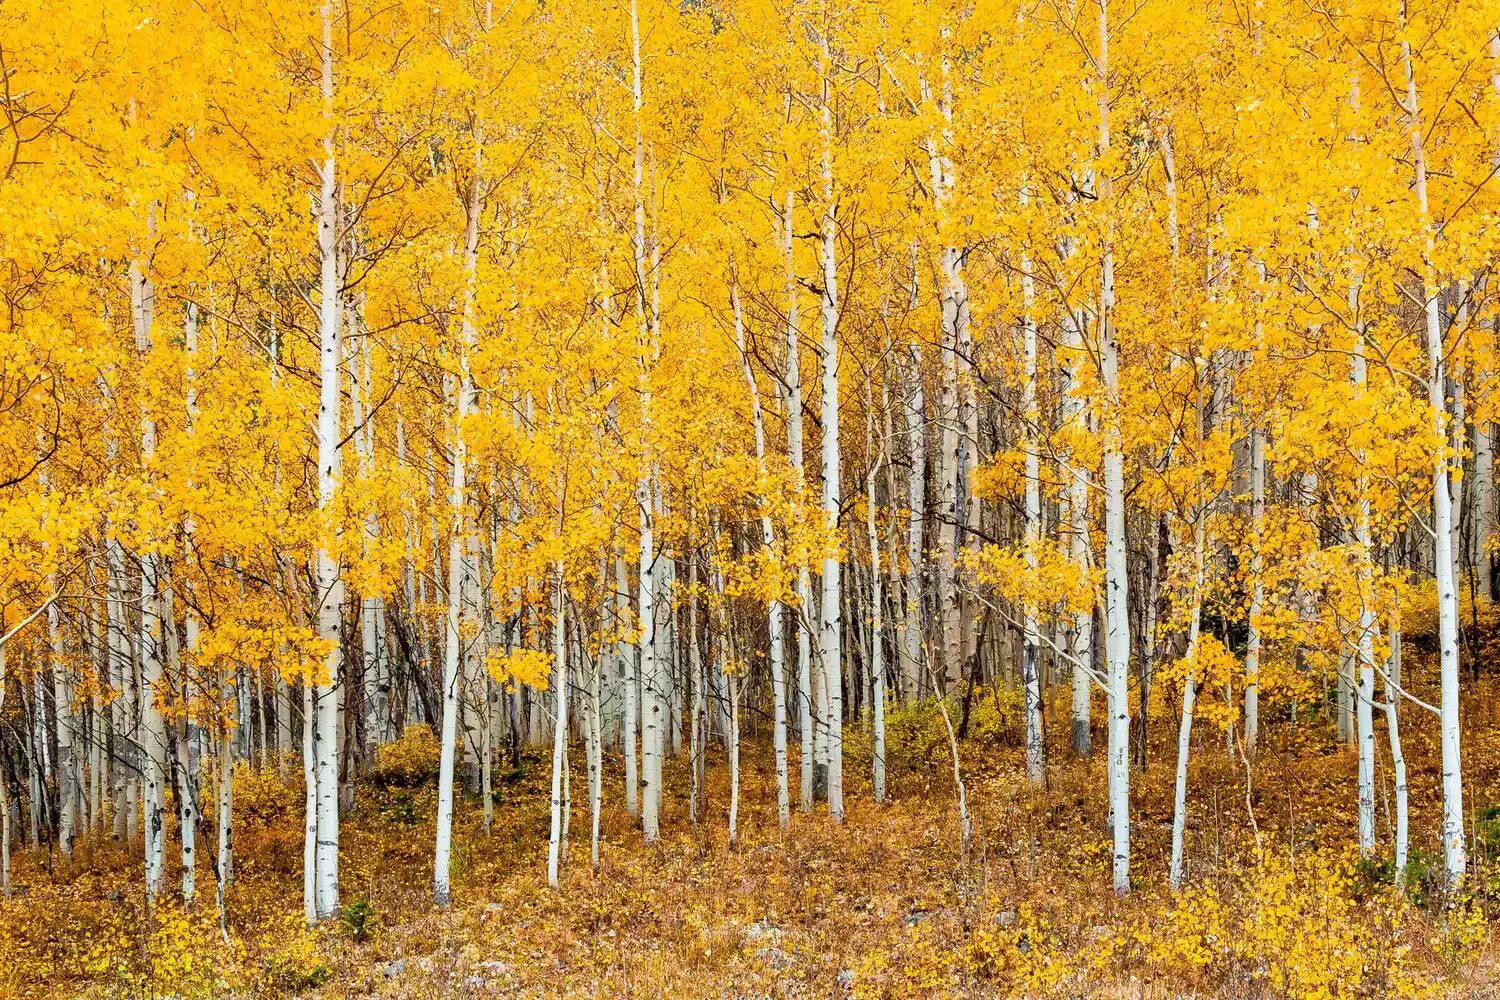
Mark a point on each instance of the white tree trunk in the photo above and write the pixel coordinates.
(830, 647)
(648, 315)
(463, 390)
(1189, 699)
(1398, 758)
(153, 693)
(310, 798)
(330, 585)
(186, 801)
(1116, 578)
(795, 455)
(122, 679)
(225, 863)
(698, 742)
(1365, 642)
(629, 680)
(556, 835)
(734, 757)
(1036, 762)
(1454, 852)
(1075, 499)
(651, 707)
(1257, 589)
(596, 727)
(913, 651)
(67, 764)
(949, 466)
(777, 654)
(877, 614)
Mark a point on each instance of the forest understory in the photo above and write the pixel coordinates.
(892, 903)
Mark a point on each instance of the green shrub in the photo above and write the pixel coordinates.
(358, 920)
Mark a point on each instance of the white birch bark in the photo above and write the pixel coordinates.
(1074, 415)
(310, 801)
(1398, 758)
(1257, 585)
(647, 315)
(877, 611)
(831, 636)
(1036, 763)
(795, 455)
(947, 468)
(1365, 641)
(698, 743)
(776, 652)
(1189, 699)
(914, 405)
(556, 835)
(463, 390)
(186, 803)
(1116, 578)
(153, 692)
(330, 585)
(67, 763)
(596, 723)
(122, 679)
(225, 860)
(1454, 852)
(630, 682)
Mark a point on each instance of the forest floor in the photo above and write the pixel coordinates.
(889, 904)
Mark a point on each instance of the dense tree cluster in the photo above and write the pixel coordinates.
(589, 374)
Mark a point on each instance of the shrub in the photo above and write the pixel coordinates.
(409, 761)
(292, 959)
(1479, 620)
(401, 810)
(359, 919)
(916, 737)
(262, 798)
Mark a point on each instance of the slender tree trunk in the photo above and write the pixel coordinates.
(830, 646)
(1398, 758)
(330, 592)
(122, 679)
(1454, 852)
(1257, 589)
(4, 799)
(560, 716)
(1036, 761)
(187, 798)
(877, 611)
(67, 763)
(1189, 699)
(776, 652)
(913, 646)
(153, 693)
(225, 860)
(647, 314)
(1074, 415)
(795, 455)
(630, 682)
(596, 728)
(1364, 710)
(1116, 577)
(696, 741)
(457, 541)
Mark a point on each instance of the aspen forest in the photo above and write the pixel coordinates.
(749, 499)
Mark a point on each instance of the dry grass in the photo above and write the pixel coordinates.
(882, 907)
